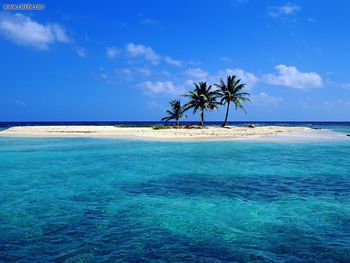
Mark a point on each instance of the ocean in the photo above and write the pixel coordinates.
(105, 200)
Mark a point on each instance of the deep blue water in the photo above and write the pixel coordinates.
(286, 123)
(100, 200)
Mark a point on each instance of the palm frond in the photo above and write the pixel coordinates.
(176, 112)
(231, 91)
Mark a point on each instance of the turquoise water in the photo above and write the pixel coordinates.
(88, 200)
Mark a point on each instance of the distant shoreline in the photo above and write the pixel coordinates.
(184, 122)
(210, 133)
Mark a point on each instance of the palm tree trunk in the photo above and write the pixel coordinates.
(202, 118)
(227, 110)
(177, 122)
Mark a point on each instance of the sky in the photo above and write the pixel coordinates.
(125, 60)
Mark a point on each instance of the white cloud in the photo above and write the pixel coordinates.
(113, 52)
(236, 3)
(21, 103)
(345, 85)
(290, 76)
(194, 63)
(189, 83)
(81, 52)
(286, 76)
(157, 88)
(283, 10)
(165, 73)
(58, 33)
(226, 59)
(172, 61)
(121, 24)
(324, 105)
(335, 84)
(24, 31)
(246, 77)
(144, 71)
(264, 99)
(149, 21)
(124, 74)
(197, 73)
(141, 51)
(131, 73)
(343, 103)
(138, 50)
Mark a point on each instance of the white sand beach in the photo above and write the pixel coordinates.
(150, 133)
(210, 133)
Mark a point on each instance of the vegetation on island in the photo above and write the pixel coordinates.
(154, 127)
(160, 127)
(176, 112)
(231, 91)
(205, 98)
(202, 98)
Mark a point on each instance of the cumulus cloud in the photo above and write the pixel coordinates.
(124, 74)
(138, 50)
(343, 103)
(327, 104)
(264, 99)
(197, 73)
(113, 52)
(172, 61)
(81, 52)
(24, 31)
(236, 3)
(286, 76)
(149, 21)
(21, 103)
(121, 75)
(283, 10)
(133, 50)
(226, 59)
(144, 71)
(345, 85)
(290, 76)
(157, 88)
(246, 77)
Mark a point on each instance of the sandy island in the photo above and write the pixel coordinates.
(208, 133)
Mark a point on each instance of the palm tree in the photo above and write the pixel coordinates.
(177, 111)
(231, 91)
(202, 98)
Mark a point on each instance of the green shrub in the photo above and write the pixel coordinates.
(160, 127)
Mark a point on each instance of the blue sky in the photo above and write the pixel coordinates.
(124, 60)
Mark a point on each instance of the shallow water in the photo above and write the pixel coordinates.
(94, 200)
